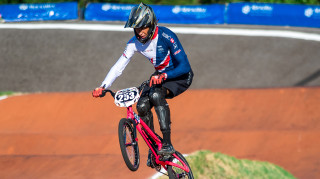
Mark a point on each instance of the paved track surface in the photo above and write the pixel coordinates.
(67, 60)
(72, 135)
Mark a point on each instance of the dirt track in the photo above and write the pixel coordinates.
(72, 135)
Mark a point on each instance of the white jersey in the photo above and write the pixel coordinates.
(164, 51)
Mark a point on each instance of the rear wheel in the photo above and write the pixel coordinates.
(175, 172)
(128, 145)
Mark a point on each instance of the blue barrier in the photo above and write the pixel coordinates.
(273, 14)
(41, 11)
(204, 14)
(233, 13)
(107, 12)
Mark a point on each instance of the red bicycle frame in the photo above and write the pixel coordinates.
(141, 124)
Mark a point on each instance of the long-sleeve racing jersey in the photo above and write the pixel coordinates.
(164, 51)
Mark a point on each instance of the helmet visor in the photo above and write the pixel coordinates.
(139, 17)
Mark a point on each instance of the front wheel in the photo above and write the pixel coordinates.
(128, 144)
(175, 172)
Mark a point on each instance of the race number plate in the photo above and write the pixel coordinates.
(126, 97)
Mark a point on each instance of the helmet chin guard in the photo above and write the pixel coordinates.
(142, 16)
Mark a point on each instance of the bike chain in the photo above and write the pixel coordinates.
(163, 173)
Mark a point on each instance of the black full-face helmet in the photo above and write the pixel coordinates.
(142, 16)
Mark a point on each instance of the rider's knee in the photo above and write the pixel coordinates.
(143, 106)
(157, 97)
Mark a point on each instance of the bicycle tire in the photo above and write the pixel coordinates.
(129, 147)
(175, 172)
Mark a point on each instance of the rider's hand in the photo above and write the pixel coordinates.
(98, 92)
(158, 79)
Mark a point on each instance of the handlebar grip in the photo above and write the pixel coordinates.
(111, 92)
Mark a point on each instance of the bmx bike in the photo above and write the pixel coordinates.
(175, 164)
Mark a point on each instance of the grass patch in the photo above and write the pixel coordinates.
(6, 93)
(209, 165)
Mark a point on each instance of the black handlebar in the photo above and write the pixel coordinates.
(140, 88)
(106, 91)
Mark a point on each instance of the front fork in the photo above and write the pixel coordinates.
(134, 125)
(130, 117)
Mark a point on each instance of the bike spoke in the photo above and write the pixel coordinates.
(131, 144)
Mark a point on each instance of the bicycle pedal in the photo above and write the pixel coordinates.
(158, 168)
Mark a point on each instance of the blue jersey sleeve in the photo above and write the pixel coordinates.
(179, 57)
